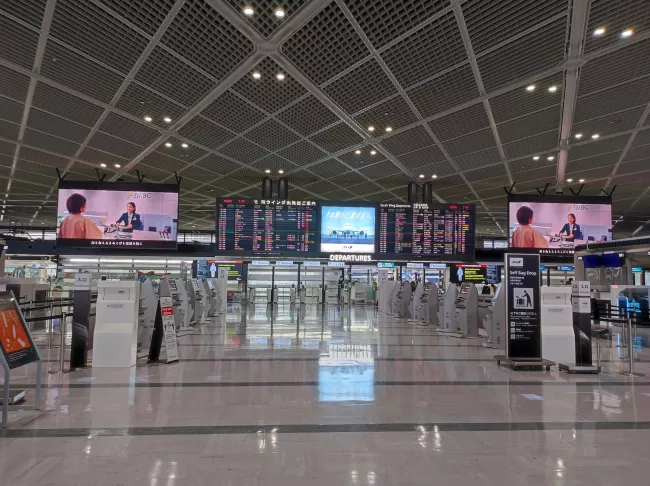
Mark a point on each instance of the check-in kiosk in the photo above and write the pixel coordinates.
(214, 299)
(186, 308)
(146, 313)
(446, 312)
(292, 294)
(196, 299)
(402, 300)
(415, 301)
(558, 339)
(494, 321)
(465, 320)
(426, 308)
(116, 324)
(207, 298)
(331, 294)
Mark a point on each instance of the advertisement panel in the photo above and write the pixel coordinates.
(117, 215)
(15, 341)
(556, 224)
(347, 228)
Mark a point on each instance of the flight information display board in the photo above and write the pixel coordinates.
(421, 230)
(266, 227)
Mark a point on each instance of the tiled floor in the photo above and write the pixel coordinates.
(340, 397)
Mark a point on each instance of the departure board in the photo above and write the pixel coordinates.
(436, 231)
(266, 226)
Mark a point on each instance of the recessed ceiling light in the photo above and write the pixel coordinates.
(550, 157)
(184, 145)
(536, 157)
(280, 171)
(248, 11)
(595, 136)
(578, 136)
(434, 176)
(530, 87)
(569, 180)
(599, 31)
(389, 129)
(102, 165)
(373, 152)
(117, 166)
(627, 33)
(257, 75)
(371, 128)
(267, 171)
(552, 89)
(168, 145)
(167, 119)
(421, 176)
(148, 119)
(279, 77)
(358, 152)
(581, 181)
(279, 13)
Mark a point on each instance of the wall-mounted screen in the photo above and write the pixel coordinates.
(477, 274)
(117, 215)
(347, 228)
(420, 230)
(266, 227)
(556, 224)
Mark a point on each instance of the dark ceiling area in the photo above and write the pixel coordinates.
(350, 99)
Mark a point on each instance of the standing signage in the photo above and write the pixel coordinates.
(169, 328)
(523, 317)
(15, 341)
(581, 303)
(81, 281)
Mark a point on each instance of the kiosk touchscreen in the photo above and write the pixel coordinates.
(465, 320)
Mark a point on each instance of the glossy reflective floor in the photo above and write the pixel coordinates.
(302, 396)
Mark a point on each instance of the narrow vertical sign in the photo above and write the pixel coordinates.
(169, 328)
(524, 331)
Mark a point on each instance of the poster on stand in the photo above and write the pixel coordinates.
(169, 328)
(15, 341)
(523, 310)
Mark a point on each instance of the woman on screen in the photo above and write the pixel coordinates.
(130, 219)
(76, 225)
(525, 236)
(571, 230)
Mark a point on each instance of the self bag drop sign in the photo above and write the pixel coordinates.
(524, 340)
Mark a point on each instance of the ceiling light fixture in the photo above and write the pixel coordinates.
(102, 165)
(248, 11)
(148, 119)
(581, 181)
(599, 31)
(167, 119)
(373, 152)
(279, 13)
(389, 129)
(552, 89)
(257, 75)
(371, 128)
(168, 145)
(596, 136)
(358, 152)
(117, 166)
(267, 171)
(536, 157)
(421, 176)
(578, 136)
(569, 180)
(627, 33)
(184, 145)
(434, 176)
(279, 77)
(280, 171)
(530, 88)
(550, 157)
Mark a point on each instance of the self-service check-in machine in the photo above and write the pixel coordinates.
(426, 306)
(115, 341)
(446, 312)
(207, 298)
(196, 299)
(168, 288)
(186, 308)
(402, 299)
(415, 301)
(558, 339)
(146, 313)
(465, 320)
(331, 294)
(494, 321)
(214, 298)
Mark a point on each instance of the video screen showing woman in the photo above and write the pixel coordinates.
(75, 224)
(571, 229)
(130, 220)
(525, 236)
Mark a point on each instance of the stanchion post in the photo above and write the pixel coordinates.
(49, 340)
(630, 351)
(62, 331)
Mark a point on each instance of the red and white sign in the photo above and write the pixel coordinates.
(169, 328)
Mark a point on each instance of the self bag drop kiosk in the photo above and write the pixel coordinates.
(196, 299)
(169, 288)
(446, 313)
(208, 298)
(116, 324)
(214, 298)
(402, 300)
(465, 321)
(426, 307)
(558, 339)
(186, 309)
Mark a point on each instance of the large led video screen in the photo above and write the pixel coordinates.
(117, 215)
(347, 228)
(557, 224)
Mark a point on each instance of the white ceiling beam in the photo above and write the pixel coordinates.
(577, 31)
